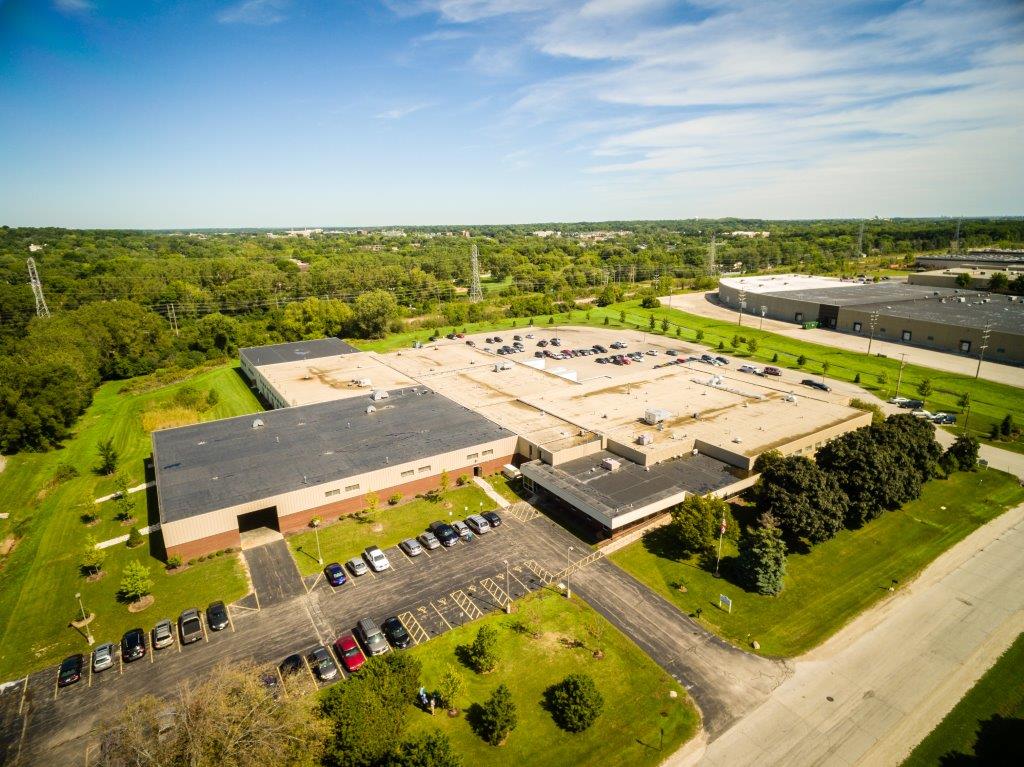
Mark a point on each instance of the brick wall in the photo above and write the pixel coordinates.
(192, 549)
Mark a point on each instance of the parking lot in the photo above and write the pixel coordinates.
(430, 593)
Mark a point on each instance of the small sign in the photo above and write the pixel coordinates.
(724, 601)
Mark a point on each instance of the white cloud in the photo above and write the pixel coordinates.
(256, 12)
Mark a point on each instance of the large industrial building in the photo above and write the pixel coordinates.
(947, 319)
(615, 444)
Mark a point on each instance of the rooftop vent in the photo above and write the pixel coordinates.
(257, 423)
(611, 464)
(370, 409)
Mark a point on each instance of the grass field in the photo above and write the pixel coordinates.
(385, 527)
(40, 576)
(987, 722)
(640, 725)
(506, 488)
(990, 401)
(835, 581)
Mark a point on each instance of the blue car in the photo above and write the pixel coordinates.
(335, 574)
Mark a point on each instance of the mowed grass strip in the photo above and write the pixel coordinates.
(836, 580)
(40, 577)
(641, 723)
(384, 527)
(993, 708)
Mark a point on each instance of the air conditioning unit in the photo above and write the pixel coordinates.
(644, 439)
(611, 464)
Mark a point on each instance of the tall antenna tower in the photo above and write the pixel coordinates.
(42, 310)
(712, 267)
(956, 237)
(860, 242)
(476, 293)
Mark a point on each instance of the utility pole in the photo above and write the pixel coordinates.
(42, 310)
(568, 553)
(982, 348)
(476, 292)
(743, 305)
(899, 379)
(173, 317)
(85, 619)
(872, 321)
(956, 237)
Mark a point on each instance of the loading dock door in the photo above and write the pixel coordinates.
(827, 316)
(254, 520)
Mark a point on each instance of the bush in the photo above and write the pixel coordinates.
(135, 538)
(649, 301)
(463, 480)
(428, 749)
(65, 471)
(700, 334)
(394, 499)
(575, 702)
(135, 583)
(498, 716)
(482, 653)
(801, 361)
(173, 561)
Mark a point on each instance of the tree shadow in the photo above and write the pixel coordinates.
(474, 718)
(1000, 740)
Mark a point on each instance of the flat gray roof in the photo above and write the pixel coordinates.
(214, 465)
(295, 350)
(633, 486)
(979, 310)
(872, 292)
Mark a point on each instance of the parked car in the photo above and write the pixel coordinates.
(396, 633)
(217, 616)
(411, 547)
(70, 670)
(378, 561)
(816, 384)
(721, 360)
(323, 664)
(912, 404)
(335, 574)
(348, 653)
(133, 645)
(190, 626)
(923, 414)
(751, 369)
(478, 524)
(463, 530)
(163, 634)
(103, 657)
(671, 352)
(898, 401)
(372, 637)
(357, 566)
(947, 418)
(771, 370)
(445, 533)
(291, 665)
(492, 518)
(428, 540)
(542, 343)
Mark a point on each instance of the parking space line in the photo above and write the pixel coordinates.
(24, 692)
(56, 685)
(305, 662)
(231, 622)
(206, 637)
(446, 623)
(152, 650)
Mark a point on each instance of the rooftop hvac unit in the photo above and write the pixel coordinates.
(378, 395)
(611, 464)
(370, 409)
(364, 382)
(644, 439)
(257, 423)
(654, 416)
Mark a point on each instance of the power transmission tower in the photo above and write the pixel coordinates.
(476, 293)
(42, 310)
(956, 237)
(860, 242)
(712, 267)
(173, 317)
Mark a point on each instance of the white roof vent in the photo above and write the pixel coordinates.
(370, 409)
(611, 464)
(378, 395)
(257, 423)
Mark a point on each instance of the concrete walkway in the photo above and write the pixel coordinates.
(493, 494)
(704, 305)
(135, 489)
(869, 694)
(124, 538)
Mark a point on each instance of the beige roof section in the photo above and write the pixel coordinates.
(329, 378)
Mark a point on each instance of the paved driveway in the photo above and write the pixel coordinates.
(274, 575)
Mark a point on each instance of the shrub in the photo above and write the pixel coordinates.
(606, 320)
(372, 501)
(700, 334)
(801, 361)
(135, 583)
(575, 702)
(482, 653)
(173, 561)
(212, 398)
(775, 357)
(394, 499)
(65, 471)
(135, 538)
(498, 716)
(650, 301)
(462, 480)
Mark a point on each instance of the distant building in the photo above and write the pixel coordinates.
(750, 235)
(34, 248)
(947, 278)
(546, 233)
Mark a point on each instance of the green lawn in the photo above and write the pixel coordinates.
(986, 724)
(385, 527)
(641, 724)
(40, 577)
(835, 581)
(506, 488)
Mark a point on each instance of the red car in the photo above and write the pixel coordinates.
(348, 652)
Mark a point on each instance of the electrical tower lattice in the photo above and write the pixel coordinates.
(476, 293)
(42, 310)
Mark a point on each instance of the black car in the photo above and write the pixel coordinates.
(133, 645)
(542, 343)
(444, 533)
(335, 574)
(70, 670)
(492, 518)
(291, 665)
(816, 384)
(396, 633)
(217, 616)
(912, 404)
(600, 349)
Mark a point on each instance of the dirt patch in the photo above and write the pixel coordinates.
(3, 463)
(142, 604)
(7, 546)
(168, 418)
(96, 576)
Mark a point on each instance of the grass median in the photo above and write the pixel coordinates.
(546, 639)
(384, 527)
(836, 580)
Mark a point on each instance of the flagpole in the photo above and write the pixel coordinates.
(721, 534)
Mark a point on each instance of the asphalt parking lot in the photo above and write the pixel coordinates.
(431, 593)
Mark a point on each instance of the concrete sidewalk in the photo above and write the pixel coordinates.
(493, 494)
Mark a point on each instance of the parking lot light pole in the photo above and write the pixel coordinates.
(764, 311)
(568, 555)
(316, 534)
(85, 620)
(508, 589)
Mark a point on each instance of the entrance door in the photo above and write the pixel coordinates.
(477, 471)
(262, 518)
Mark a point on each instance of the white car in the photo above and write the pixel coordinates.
(751, 369)
(478, 524)
(463, 530)
(898, 400)
(923, 414)
(376, 559)
(103, 657)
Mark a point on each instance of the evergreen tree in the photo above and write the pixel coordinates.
(482, 653)
(498, 716)
(428, 749)
(108, 456)
(575, 702)
(762, 558)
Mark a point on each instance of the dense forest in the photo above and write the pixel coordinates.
(126, 303)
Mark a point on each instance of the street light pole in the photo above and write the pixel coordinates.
(871, 322)
(743, 305)
(568, 590)
(899, 379)
(982, 348)
(85, 620)
(316, 534)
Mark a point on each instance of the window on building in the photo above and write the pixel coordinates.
(350, 488)
(1000, 351)
(408, 473)
(931, 338)
(423, 469)
(905, 335)
(472, 456)
(965, 346)
(799, 317)
(856, 327)
(335, 491)
(488, 452)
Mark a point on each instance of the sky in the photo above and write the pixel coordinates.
(272, 113)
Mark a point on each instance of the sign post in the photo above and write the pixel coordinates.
(725, 602)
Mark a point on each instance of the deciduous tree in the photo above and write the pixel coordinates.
(807, 502)
(575, 702)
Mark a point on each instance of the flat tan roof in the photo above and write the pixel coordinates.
(329, 378)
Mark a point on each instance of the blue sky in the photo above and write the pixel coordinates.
(157, 113)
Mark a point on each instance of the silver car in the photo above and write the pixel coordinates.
(163, 634)
(463, 530)
(378, 561)
(103, 657)
(411, 547)
(372, 637)
(429, 540)
(357, 566)
(478, 524)
(323, 664)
